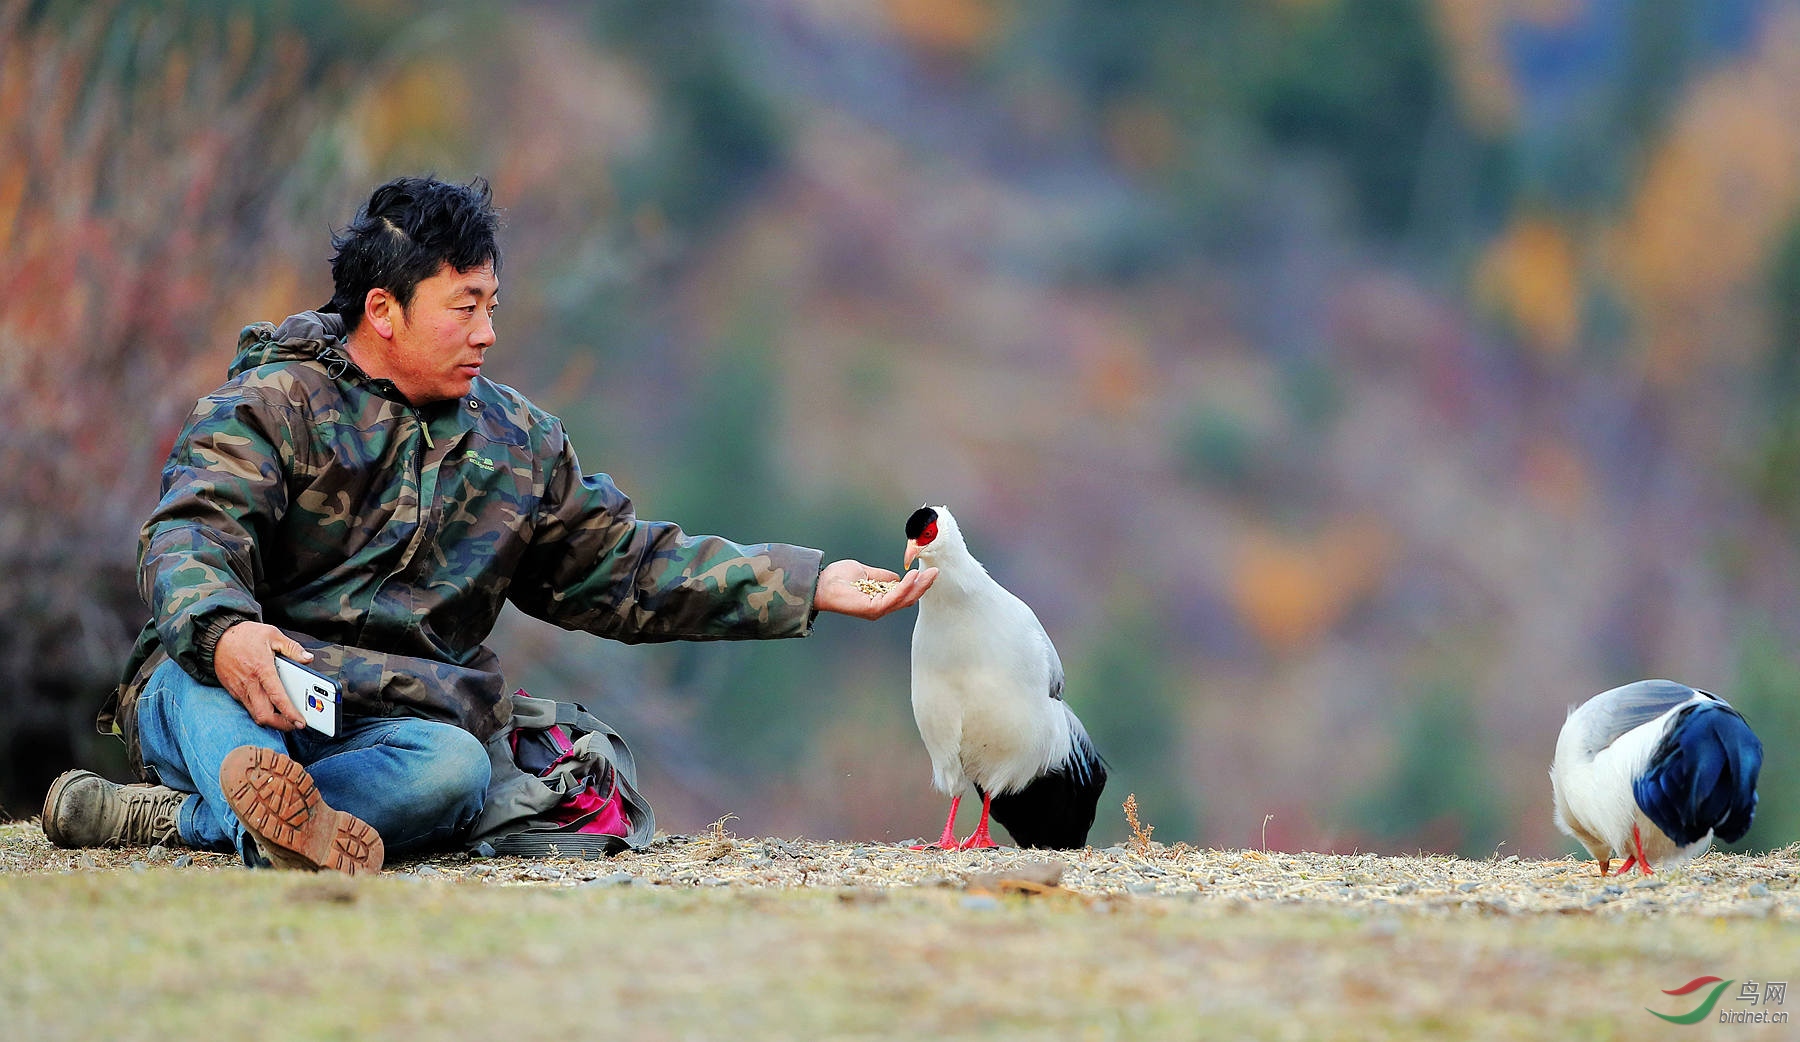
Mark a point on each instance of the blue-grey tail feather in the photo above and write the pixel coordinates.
(1702, 776)
(1057, 809)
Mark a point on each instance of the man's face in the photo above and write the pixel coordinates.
(434, 348)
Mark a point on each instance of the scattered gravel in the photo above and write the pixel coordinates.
(1716, 885)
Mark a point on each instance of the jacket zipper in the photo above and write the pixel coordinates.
(423, 493)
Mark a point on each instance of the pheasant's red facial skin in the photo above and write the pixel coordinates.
(921, 527)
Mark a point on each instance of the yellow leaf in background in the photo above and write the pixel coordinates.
(1716, 194)
(424, 103)
(1477, 65)
(12, 192)
(268, 298)
(1114, 372)
(1530, 275)
(944, 25)
(1290, 592)
(175, 78)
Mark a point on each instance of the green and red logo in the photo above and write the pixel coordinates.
(1699, 1012)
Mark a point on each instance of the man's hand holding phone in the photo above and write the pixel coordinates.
(244, 662)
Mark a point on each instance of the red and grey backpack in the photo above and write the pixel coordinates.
(564, 784)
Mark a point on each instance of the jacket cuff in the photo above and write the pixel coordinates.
(207, 643)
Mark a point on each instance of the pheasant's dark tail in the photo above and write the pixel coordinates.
(1057, 809)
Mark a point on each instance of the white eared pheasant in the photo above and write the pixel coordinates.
(1653, 771)
(987, 695)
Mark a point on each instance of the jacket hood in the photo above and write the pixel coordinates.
(308, 335)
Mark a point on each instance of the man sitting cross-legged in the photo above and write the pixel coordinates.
(361, 497)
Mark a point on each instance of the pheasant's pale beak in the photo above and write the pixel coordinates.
(912, 554)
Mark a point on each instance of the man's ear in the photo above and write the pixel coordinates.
(379, 309)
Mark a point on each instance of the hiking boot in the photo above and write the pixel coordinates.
(83, 809)
(278, 804)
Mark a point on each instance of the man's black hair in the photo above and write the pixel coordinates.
(411, 227)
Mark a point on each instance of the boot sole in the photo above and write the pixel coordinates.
(278, 802)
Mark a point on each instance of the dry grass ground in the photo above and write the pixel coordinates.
(715, 936)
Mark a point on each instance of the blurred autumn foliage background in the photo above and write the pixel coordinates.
(1351, 386)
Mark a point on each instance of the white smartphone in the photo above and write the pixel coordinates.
(313, 695)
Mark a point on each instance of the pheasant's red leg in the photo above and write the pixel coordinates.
(980, 838)
(1637, 843)
(949, 840)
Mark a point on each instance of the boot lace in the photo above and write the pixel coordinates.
(151, 816)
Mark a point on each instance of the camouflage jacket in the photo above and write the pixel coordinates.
(386, 538)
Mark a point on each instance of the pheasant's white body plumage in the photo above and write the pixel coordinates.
(986, 683)
(987, 690)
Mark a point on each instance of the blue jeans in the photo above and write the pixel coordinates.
(420, 783)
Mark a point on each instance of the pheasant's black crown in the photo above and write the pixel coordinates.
(915, 525)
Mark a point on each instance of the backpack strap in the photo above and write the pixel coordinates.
(573, 714)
